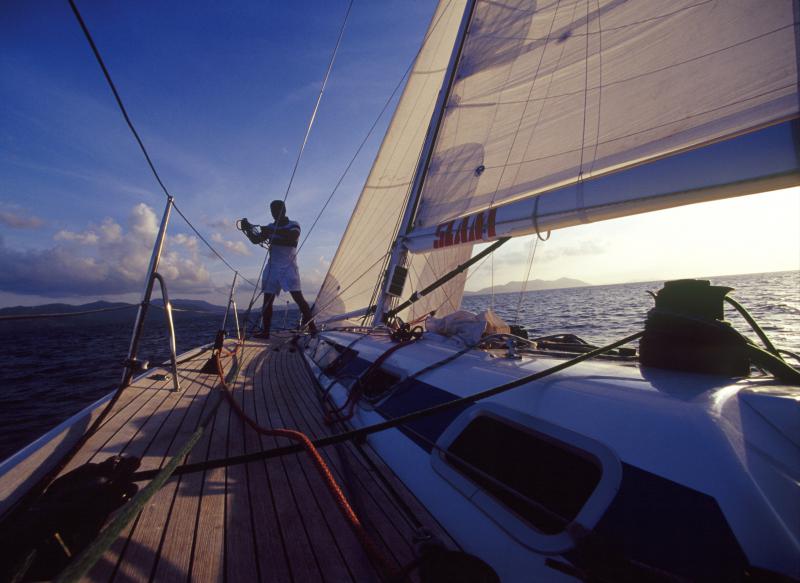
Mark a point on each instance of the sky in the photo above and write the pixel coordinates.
(221, 94)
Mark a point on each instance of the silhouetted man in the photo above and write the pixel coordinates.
(281, 272)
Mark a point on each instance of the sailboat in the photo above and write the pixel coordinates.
(502, 458)
(548, 115)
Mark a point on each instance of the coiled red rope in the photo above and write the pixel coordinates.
(387, 570)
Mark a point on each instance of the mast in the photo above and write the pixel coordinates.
(398, 253)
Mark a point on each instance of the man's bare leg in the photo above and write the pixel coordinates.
(301, 302)
(266, 314)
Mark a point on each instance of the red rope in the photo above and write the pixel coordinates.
(388, 570)
(347, 410)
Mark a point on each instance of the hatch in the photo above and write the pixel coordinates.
(531, 477)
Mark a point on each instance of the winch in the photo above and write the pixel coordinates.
(686, 330)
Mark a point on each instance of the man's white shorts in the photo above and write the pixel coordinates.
(277, 279)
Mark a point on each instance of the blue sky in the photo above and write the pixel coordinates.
(221, 94)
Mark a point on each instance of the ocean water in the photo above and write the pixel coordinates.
(602, 314)
(53, 368)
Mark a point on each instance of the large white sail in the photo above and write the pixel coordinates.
(359, 263)
(554, 94)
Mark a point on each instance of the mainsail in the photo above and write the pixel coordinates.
(555, 95)
(566, 112)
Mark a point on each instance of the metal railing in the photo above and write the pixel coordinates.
(132, 364)
(232, 302)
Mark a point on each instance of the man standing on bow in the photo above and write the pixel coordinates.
(281, 272)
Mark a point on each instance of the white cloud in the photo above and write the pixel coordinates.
(578, 249)
(84, 238)
(188, 241)
(18, 220)
(237, 247)
(221, 223)
(104, 259)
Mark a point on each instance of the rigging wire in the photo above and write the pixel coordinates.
(214, 251)
(372, 127)
(117, 96)
(353, 159)
(531, 255)
(356, 280)
(264, 264)
(310, 125)
(128, 120)
(388, 101)
(319, 98)
(491, 303)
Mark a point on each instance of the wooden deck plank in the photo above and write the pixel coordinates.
(322, 550)
(298, 541)
(175, 431)
(335, 544)
(174, 560)
(177, 536)
(272, 520)
(143, 545)
(341, 463)
(272, 554)
(375, 477)
(388, 528)
(107, 567)
(240, 547)
(122, 418)
(301, 561)
(208, 554)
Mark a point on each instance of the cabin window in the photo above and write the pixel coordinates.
(345, 356)
(378, 383)
(326, 354)
(542, 480)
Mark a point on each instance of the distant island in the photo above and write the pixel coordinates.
(533, 285)
(177, 305)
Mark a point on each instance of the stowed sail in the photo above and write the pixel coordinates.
(360, 261)
(563, 113)
(552, 96)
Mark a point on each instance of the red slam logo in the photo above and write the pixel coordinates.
(471, 228)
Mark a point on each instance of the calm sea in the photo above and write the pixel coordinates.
(52, 369)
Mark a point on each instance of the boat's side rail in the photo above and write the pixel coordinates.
(21, 470)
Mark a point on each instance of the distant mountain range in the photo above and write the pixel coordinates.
(177, 305)
(532, 285)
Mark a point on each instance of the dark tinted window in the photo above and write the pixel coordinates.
(377, 383)
(544, 481)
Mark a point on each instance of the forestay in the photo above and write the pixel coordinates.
(359, 262)
(552, 96)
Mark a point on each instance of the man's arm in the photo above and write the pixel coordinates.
(289, 232)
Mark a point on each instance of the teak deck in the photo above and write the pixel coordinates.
(269, 520)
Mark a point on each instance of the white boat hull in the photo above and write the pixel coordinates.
(699, 477)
